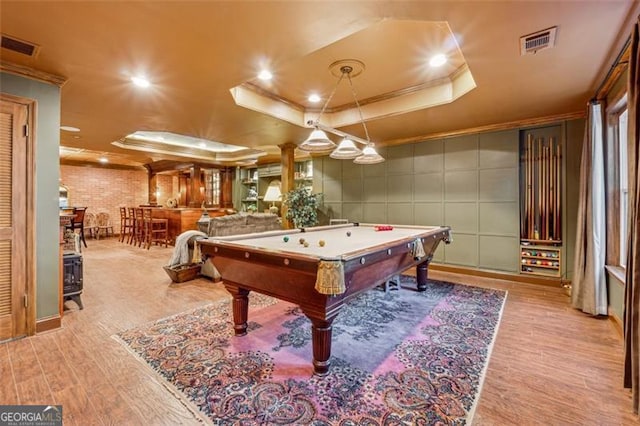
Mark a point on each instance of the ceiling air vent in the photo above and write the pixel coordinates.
(20, 46)
(532, 43)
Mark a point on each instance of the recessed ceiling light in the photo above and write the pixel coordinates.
(103, 160)
(69, 128)
(140, 81)
(314, 97)
(437, 60)
(265, 75)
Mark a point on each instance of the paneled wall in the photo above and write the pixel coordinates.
(470, 183)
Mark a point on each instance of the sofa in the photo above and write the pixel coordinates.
(240, 223)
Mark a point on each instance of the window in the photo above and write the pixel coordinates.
(617, 188)
(212, 187)
(622, 183)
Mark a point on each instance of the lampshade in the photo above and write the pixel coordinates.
(347, 150)
(369, 156)
(317, 141)
(273, 193)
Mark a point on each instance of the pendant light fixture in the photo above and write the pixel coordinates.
(318, 141)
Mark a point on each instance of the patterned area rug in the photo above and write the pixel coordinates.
(398, 358)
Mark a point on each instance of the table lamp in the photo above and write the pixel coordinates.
(273, 195)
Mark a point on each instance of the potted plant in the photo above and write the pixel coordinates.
(302, 207)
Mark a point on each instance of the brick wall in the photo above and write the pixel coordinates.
(103, 189)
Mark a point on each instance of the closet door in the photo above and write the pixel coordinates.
(13, 213)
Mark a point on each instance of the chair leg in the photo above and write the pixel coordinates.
(82, 237)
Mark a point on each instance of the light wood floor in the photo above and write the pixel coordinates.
(551, 365)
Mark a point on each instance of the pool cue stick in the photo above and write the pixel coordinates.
(552, 188)
(545, 193)
(539, 188)
(550, 193)
(523, 194)
(559, 192)
(531, 204)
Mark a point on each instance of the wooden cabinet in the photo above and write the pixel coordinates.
(540, 260)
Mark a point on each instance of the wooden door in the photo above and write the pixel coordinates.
(13, 223)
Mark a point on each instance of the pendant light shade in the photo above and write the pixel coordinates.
(347, 150)
(317, 141)
(369, 156)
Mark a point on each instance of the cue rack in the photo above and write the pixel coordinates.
(541, 191)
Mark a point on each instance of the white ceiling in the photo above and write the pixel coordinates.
(196, 52)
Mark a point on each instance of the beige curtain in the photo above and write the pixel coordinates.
(588, 284)
(632, 289)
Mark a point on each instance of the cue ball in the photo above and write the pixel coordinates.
(348, 233)
(286, 239)
(301, 240)
(321, 243)
(306, 244)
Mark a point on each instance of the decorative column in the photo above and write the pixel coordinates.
(226, 187)
(287, 183)
(197, 195)
(153, 188)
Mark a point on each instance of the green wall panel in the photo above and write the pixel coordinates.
(400, 160)
(499, 149)
(463, 250)
(375, 189)
(331, 189)
(428, 157)
(498, 185)
(428, 187)
(461, 185)
(461, 153)
(399, 188)
(499, 218)
(428, 214)
(499, 253)
(352, 190)
(353, 212)
(400, 213)
(375, 213)
(462, 217)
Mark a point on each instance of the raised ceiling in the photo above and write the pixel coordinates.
(195, 53)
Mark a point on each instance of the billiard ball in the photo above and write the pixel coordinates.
(348, 233)
(306, 244)
(301, 240)
(321, 243)
(286, 239)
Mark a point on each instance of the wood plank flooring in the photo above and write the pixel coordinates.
(551, 365)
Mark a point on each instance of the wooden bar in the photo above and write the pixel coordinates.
(182, 219)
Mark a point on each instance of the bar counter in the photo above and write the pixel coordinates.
(183, 218)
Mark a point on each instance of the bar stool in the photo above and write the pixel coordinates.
(126, 225)
(139, 235)
(155, 230)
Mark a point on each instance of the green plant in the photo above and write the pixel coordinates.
(302, 207)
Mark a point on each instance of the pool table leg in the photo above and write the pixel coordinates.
(422, 270)
(240, 308)
(321, 330)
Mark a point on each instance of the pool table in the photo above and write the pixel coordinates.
(336, 263)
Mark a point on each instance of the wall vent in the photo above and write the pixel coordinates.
(20, 46)
(532, 43)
